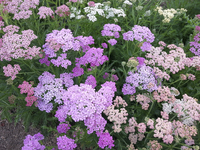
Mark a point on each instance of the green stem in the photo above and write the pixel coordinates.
(150, 108)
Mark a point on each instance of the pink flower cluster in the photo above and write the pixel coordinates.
(62, 11)
(174, 61)
(163, 129)
(144, 100)
(187, 109)
(154, 145)
(20, 9)
(25, 87)
(10, 71)
(163, 94)
(17, 46)
(134, 137)
(44, 12)
(117, 116)
(184, 131)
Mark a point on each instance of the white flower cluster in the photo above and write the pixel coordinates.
(75, 13)
(169, 13)
(103, 10)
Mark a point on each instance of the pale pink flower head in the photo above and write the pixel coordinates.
(154, 145)
(10, 71)
(183, 77)
(141, 127)
(44, 12)
(191, 76)
(62, 11)
(91, 4)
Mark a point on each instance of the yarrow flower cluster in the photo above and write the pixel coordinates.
(94, 57)
(144, 79)
(102, 10)
(62, 11)
(44, 12)
(25, 87)
(141, 34)
(10, 71)
(91, 81)
(20, 9)
(169, 13)
(32, 142)
(117, 116)
(82, 103)
(65, 143)
(175, 61)
(17, 46)
(49, 88)
(65, 40)
(105, 139)
(195, 46)
(187, 109)
(63, 128)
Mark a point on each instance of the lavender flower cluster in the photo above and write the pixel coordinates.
(141, 34)
(32, 142)
(50, 88)
(195, 46)
(144, 79)
(82, 103)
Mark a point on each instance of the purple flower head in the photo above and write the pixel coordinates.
(63, 128)
(77, 71)
(45, 60)
(114, 78)
(94, 56)
(95, 123)
(116, 34)
(144, 78)
(112, 41)
(91, 81)
(195, 45)
(106, 75)
(39, 136)
(32, 142)
(141, 33)
(128, 36)
(67, 79)
(141, 61)
(105, 139)
(128, 89)
(49, 88)
(104, 45)
(61, 60)
(146, 46)
(65, 143)
(44, 107)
